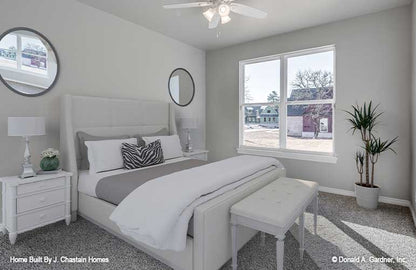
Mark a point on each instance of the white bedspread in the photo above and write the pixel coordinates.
(157, 213)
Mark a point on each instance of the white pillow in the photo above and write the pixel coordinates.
(171, 145)
(106, 155)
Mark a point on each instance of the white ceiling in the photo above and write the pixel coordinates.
(189, 26)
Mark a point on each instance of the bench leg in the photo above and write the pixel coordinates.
(262, 239)
(234, 246)
(301, 231)
(315, 213)
(280, 251)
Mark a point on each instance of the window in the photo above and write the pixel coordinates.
(23, 53)
(323, 125)
(8, 51)
(260, 99)
(294, 96)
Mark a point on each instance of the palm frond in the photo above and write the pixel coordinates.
(363, 118)
(376, 146)
(359, 157)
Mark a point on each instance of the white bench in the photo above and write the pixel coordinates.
(274, 209)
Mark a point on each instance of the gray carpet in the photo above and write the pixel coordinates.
(344, 229)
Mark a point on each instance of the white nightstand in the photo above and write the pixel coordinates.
(197, 154)
(34, 202)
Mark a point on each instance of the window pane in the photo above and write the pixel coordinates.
(309, 127)
(8, 46)
(34, 55)
(311, 77)
(261, 126)
(262, 82)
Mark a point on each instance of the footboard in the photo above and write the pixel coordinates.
(212, 237)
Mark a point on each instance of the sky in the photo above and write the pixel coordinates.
(10, 40)
(263, 78)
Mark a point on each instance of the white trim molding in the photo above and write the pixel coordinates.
(283, 59)
(412, 210)
(289, 154)
(381, 199)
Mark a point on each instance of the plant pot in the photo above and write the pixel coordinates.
(367, 197)
(49, 163)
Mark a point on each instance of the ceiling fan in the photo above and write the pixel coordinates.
(219, 10)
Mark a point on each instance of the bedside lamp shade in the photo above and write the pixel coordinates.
(188, 123)
(26, 126)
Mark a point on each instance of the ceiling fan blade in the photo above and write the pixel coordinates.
(189, 5)
(247, 11)
(214, 21)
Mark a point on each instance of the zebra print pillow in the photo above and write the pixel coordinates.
(135, 156)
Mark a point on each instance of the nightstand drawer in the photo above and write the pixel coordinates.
(40, 200)
(31, 220)
(41, 185)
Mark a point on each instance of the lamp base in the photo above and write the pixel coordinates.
(188, 148)
(27, 171)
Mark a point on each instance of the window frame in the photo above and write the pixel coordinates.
(282, 151)
(19, 56)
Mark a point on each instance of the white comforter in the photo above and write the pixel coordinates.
(157, 213)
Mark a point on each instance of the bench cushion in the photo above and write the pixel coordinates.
(277, 204)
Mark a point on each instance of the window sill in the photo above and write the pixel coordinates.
(289, 154)
(24, 72)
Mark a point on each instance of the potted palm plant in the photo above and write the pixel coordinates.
(363, 119)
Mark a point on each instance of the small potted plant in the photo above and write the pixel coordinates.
(50, 161)
(364, 119)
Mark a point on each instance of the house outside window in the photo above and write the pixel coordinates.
(24, 54)
(323, 125)
(294, 94)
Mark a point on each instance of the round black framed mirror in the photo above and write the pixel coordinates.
(29, 63)
(181, 87)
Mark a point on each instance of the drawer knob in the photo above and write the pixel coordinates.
(42, 216)
(43, 199)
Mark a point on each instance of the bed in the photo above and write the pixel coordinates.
(209, 247)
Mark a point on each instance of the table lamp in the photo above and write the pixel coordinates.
(26, 127)
(188, 124)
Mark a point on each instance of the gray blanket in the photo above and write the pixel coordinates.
(115, 188)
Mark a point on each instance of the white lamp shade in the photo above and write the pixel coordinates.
(188, 123)
(209, 14)
(225, 19)
(26, 126)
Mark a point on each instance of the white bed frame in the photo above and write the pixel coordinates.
(211, 246)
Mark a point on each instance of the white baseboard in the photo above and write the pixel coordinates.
(412, 210)
(337, 191)
(382, 199)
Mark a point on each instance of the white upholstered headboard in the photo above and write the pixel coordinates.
(106, 116)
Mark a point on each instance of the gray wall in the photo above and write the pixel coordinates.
(372, 63)
(83, 38)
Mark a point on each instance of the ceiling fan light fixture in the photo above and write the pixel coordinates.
(224, 10)
(225, 19)
(219, 10)
(209, 14)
